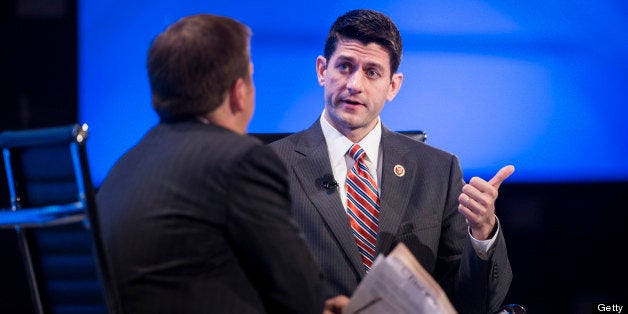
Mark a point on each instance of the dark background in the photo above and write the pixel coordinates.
(566, 241)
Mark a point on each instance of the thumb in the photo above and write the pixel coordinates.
(502, 175)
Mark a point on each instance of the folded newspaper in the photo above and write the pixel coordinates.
(398, 284)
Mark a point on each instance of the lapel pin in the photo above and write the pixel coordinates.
(399, 170)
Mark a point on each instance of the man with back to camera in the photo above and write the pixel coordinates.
(195, 217)
(390, 188)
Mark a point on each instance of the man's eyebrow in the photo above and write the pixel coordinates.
(343, 58)
(375, 65)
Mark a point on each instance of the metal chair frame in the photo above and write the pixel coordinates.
(25, 216)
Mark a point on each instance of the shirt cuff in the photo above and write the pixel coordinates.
(483, 247)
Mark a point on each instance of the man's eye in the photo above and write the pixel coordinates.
(343, 67)
(372, 73)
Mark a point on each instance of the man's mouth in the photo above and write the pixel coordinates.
(352, 102)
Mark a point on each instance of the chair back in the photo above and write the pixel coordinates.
(53, 211)
(267, 138)
(417, 135)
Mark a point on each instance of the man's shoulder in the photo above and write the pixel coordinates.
(404, 142)
(289, 139)
(306, 137)
(195, 142)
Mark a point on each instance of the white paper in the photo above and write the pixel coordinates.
(398, 284)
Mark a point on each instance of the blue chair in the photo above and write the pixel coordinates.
(53, 211)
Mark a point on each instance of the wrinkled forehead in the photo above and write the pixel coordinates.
(356, 51)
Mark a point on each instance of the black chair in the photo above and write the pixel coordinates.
(418, 135)
(53, 211)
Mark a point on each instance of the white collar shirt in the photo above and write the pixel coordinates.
(338, 145)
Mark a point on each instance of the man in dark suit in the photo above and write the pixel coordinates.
(196, 215)
(409, 192)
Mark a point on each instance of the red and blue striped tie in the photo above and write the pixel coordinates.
(363, 205)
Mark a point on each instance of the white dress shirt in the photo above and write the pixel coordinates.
(338, 145)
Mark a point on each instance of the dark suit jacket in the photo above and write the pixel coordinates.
(196, 220)
(418, 209)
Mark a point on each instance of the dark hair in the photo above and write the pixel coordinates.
(367, 26)
(194, 62)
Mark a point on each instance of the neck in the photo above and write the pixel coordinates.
(223, 119)
(355, 135)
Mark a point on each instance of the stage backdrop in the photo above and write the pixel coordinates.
(538, 84)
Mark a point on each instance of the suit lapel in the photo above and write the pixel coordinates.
(310, 171)
(396, 189)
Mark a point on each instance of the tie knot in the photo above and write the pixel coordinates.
(356, 152)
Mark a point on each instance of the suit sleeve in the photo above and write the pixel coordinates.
(269, 244)
(480, 285)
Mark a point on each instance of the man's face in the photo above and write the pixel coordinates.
(248, 98)
(357, 84)
(251, 91)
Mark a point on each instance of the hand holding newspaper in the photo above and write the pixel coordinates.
(398, 284)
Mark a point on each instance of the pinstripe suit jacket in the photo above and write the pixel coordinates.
(196, 220)
(418, 209)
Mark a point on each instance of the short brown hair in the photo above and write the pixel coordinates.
(366, 26)
(194, 62)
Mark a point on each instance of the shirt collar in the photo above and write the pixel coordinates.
(338, 144)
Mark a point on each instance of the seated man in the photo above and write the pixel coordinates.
(390, 188)
(196, 215)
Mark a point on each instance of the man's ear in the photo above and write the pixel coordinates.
(395, 85)
(237, 95)
(321, 67)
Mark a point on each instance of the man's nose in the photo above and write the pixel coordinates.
(355, 82)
